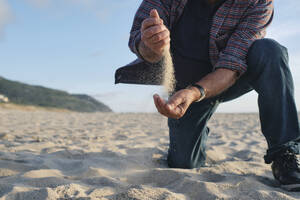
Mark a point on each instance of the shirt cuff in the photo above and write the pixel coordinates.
(232, 63)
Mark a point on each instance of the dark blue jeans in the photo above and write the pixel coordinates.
(269, 75)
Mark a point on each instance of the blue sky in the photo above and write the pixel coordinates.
(76, 45)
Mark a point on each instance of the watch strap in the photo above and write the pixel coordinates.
(202, 91)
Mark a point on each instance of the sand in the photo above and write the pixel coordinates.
(65, 155)
(169, 80)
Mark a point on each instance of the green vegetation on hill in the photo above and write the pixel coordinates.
(20, 93)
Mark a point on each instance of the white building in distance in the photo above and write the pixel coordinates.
(3, 99)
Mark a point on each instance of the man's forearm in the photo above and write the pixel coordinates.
(218, 81)
(147, 53)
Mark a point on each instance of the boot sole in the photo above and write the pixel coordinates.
(291, 188)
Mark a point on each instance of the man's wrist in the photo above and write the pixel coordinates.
(199, 92)
(195, 93)
(147, 54)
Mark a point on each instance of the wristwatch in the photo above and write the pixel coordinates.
(201, 90)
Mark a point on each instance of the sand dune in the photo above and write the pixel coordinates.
(65, 155)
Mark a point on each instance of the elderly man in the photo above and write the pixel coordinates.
(219, 55)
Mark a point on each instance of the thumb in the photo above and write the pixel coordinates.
(154, 13)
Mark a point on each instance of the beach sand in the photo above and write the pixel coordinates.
(66, 155)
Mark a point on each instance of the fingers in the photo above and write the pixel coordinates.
(180, 110)
(154, 19)
(161, 36)
(165, 109)
(177, 105)
(157, 38)
(161, 46)
(154, 13)
(151, 22)
(154, 34)
(159, 103)
(153, 30)
(161, 106)
(176, 100)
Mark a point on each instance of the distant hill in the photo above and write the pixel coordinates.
(20, 93)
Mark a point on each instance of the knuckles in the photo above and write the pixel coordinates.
(157, 29)
(153, 30)
(151, 21)
(164, 42)
(157, 38)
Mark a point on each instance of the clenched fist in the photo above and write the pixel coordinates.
(154, 34)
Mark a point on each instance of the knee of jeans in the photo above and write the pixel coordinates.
(266, 51)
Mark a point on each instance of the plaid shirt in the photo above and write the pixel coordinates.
(236, 25)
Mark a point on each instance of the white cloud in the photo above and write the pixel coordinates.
(6, 16)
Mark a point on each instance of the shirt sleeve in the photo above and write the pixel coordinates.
(162, 6)
(251, 28)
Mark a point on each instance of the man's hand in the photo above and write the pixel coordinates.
(178, 103)
(155, 36)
